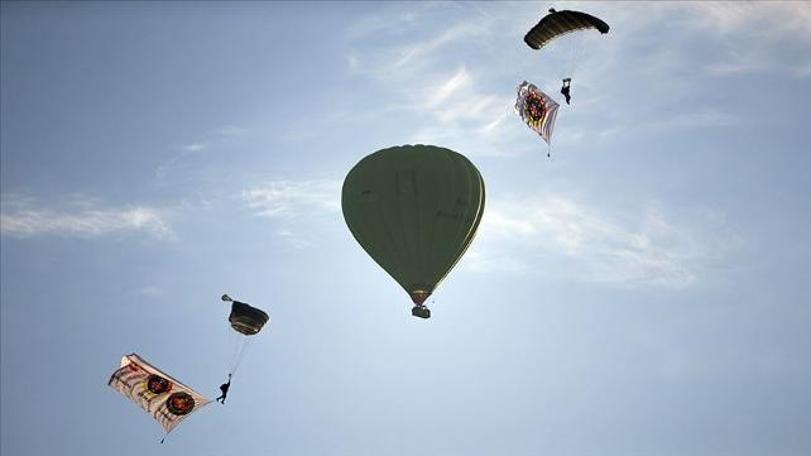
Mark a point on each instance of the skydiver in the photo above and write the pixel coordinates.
(565, 89)
(224, 388)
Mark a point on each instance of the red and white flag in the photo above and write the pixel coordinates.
(163, 397)
(537, 109)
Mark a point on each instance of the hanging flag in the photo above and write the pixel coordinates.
(163, 397)
(537, 109)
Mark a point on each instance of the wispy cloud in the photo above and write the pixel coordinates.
(761, 19)
(196, 147)
(392, 21)
(290, 205)
(559, 236)
(453, 78)
(216, 138)
(289, 199)
(83, 218)
(294, 239)
(441, 93)
(756, 34)
(424, 71)
(413, 53)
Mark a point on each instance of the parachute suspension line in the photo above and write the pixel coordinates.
(236, 344)
(233, 346)
(577, 46)
(239, 355)
(572, 62)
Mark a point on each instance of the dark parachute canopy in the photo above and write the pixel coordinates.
(558, 23)
(244, 318)
(414, 210)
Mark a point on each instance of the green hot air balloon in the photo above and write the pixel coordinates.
(415, 210)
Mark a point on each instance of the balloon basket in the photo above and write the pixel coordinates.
(421, 312)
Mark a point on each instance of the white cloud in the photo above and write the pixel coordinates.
(756, 34)
(455, 82)
(218, 137)
(390, 21)
(294, 198)
(292, 204)
(196, 147)
(802, 71)
(760, 19)
(393, 44)
(24, 218)
(412, 54)
(559, 236)
(453, 106)
(477, 261)
(441, 93)
(293, 239)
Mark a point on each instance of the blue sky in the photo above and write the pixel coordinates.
(644, 291)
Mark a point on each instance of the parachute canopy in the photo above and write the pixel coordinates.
(558, 23)
(163, 397)
(244, 318)
(415, 210)
(537, 109)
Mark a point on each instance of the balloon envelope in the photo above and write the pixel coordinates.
(415, 210)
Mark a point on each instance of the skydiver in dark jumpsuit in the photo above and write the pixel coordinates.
(224, 388)
(565, 89)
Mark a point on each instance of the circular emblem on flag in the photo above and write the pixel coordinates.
(536, 107)
(157, 384)
(180, 403)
